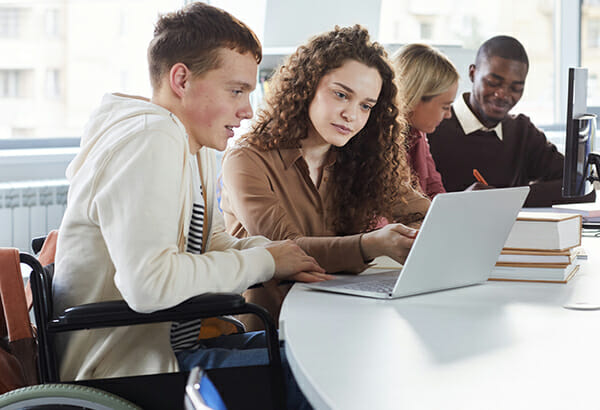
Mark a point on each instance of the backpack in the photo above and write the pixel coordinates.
(18, 348)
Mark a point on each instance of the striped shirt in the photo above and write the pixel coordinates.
(184, 335)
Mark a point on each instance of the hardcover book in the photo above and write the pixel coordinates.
(522, 274)
(534, 258)
(545, 231)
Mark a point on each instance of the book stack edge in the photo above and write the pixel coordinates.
(542, 247)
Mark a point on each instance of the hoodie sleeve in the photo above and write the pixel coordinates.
(138, 197)
(220, 239)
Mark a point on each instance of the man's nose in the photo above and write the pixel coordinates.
(501, 92)
(245, 111)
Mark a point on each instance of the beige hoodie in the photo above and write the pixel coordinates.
(124, 233)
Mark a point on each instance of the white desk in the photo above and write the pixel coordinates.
(500, 345)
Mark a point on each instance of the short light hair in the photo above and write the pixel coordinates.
(194, 35)
(422, 72)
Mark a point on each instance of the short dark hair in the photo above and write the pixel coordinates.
(193, 36)
(504, 47)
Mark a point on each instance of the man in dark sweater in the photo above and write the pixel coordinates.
(508, 150)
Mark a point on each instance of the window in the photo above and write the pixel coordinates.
(426, 29)
(593, 33)
(10, 83)
(103, 47)
(10, 22)
(60, 71)
(52, 24)
(123, 23)
(459, 27)
(590, 48)
(53, 83)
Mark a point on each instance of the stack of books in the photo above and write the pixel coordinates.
(541, 247)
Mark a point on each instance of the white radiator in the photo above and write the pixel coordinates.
(30, 209)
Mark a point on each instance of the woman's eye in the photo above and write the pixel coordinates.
(340, 94)
(367, 107)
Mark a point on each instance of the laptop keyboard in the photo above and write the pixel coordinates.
(377, 286)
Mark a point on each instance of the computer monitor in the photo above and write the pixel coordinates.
(581, 132)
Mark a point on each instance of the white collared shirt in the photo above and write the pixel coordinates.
(468, 121)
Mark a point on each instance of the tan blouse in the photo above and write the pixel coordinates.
(270, 193)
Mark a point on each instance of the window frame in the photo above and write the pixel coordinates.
(567, 31)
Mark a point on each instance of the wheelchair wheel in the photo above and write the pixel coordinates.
(63, 396)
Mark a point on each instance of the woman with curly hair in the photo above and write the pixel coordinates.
(325, 160)
(427, 82)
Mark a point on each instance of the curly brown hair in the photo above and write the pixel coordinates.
(370, 173)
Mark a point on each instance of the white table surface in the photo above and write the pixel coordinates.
(500, 345)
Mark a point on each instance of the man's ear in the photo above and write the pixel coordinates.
(179, 76)
(472, 72)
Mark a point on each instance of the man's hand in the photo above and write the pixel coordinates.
(291, 261)
(308, 277)
(393, 240)
(478, 186)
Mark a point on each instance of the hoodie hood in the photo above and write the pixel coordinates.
(115, 110)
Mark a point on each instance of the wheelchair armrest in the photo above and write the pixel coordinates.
(118, 313)
(283, 282)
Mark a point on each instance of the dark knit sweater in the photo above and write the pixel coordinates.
(523, 157)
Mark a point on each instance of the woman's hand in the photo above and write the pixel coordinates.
(393, 240)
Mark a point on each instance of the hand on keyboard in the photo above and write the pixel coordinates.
(393, 240)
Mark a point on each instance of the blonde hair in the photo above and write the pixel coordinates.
(422, 72)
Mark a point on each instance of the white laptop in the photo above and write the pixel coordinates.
(458, 245)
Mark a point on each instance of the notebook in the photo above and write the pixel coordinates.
(458, 245)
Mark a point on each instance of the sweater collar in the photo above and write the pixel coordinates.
(468, 121)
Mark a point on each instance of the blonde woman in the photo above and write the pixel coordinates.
(427, 82)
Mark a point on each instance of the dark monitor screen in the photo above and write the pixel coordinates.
(581, 130)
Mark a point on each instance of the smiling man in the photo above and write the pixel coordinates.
(508, 150)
